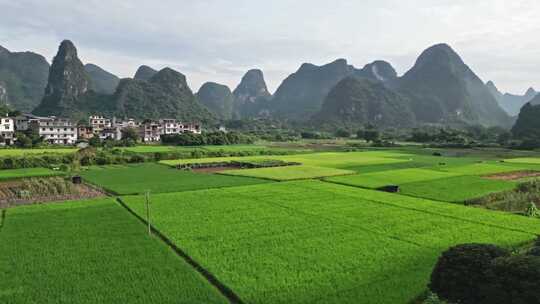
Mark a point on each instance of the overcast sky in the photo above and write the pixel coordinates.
(211, 40)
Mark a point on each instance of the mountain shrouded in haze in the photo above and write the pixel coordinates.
(103, 82)
(356, 102)
(378, 70)
(528, 122)
(217, 98)
(509, 102)
(251, 95)
(443, 89)
(302, 93)
(71, 93)
(23, 78)
(144, 72)
(67, 85)
(164, 95)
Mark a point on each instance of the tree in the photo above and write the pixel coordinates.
(461, 270)
(512, 279)
(130, 134)
(95, 141)
(369, 135)
(343, 133)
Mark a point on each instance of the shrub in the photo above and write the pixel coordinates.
(460, 271)
(513, 279)
(534, 251)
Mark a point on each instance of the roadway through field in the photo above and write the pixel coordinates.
(227, 292)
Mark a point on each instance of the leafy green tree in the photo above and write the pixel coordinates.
(461, 270)
(130, 134)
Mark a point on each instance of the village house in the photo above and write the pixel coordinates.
(54, 130)
(7, 130)
(98, 123)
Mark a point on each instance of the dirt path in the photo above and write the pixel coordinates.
(509, 176)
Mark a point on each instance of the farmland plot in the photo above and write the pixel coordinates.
(289, 173)
(328, 159)
(316, 242)
(90, 252)
(22, 152)
(390, 177)
(456, 189)
(24, 173)
(136, 179)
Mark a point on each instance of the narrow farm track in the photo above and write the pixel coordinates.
(227, 292)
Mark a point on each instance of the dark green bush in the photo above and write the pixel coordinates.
(461, 270)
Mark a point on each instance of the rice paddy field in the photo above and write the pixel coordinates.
(327, 159)
(316, 242)
(228, 148)
(137, 179)
(91, 252)
(26, 173)
(23, 152)
(315, 232)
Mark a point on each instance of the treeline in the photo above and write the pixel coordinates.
(211, 139)
(109, 156)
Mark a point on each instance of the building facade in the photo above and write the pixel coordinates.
(54, 130)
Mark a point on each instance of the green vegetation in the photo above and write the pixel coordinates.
(456, 189)
(22, 173)
(481, 169)
(91, 252)
(326, 159)
(289, 172)
(312, 241)
(136, 179)
(24, 152)
(524, 160)
(390, 177)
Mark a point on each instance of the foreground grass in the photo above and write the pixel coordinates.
(289, 173)
(136, 179)
(91, 252)
(31, 172)
(316, 242)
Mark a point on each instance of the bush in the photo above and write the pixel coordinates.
(534, 251)
(513, 279)
(460, 271)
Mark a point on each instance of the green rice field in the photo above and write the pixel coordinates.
(289, 173)
(524, 160)
(327, 159)
(456, 189)
(316, 242)
(30, 172)
(91, 252)
(137, 179)
(315, 232)
(390, 177)
(23, 152)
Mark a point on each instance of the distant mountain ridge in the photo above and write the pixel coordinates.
(71, 92)
(511, 103)
(218, 99)
(103, 82)
(357, 101)
(23, 78)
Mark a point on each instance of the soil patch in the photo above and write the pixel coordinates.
(509, 176)
(9, 195)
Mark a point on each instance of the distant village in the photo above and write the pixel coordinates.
(62, 131)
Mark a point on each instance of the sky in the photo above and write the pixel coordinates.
(219, 40)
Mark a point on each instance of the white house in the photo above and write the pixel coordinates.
(55, 130)
(7, 129)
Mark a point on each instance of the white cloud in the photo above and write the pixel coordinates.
(216, 40)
